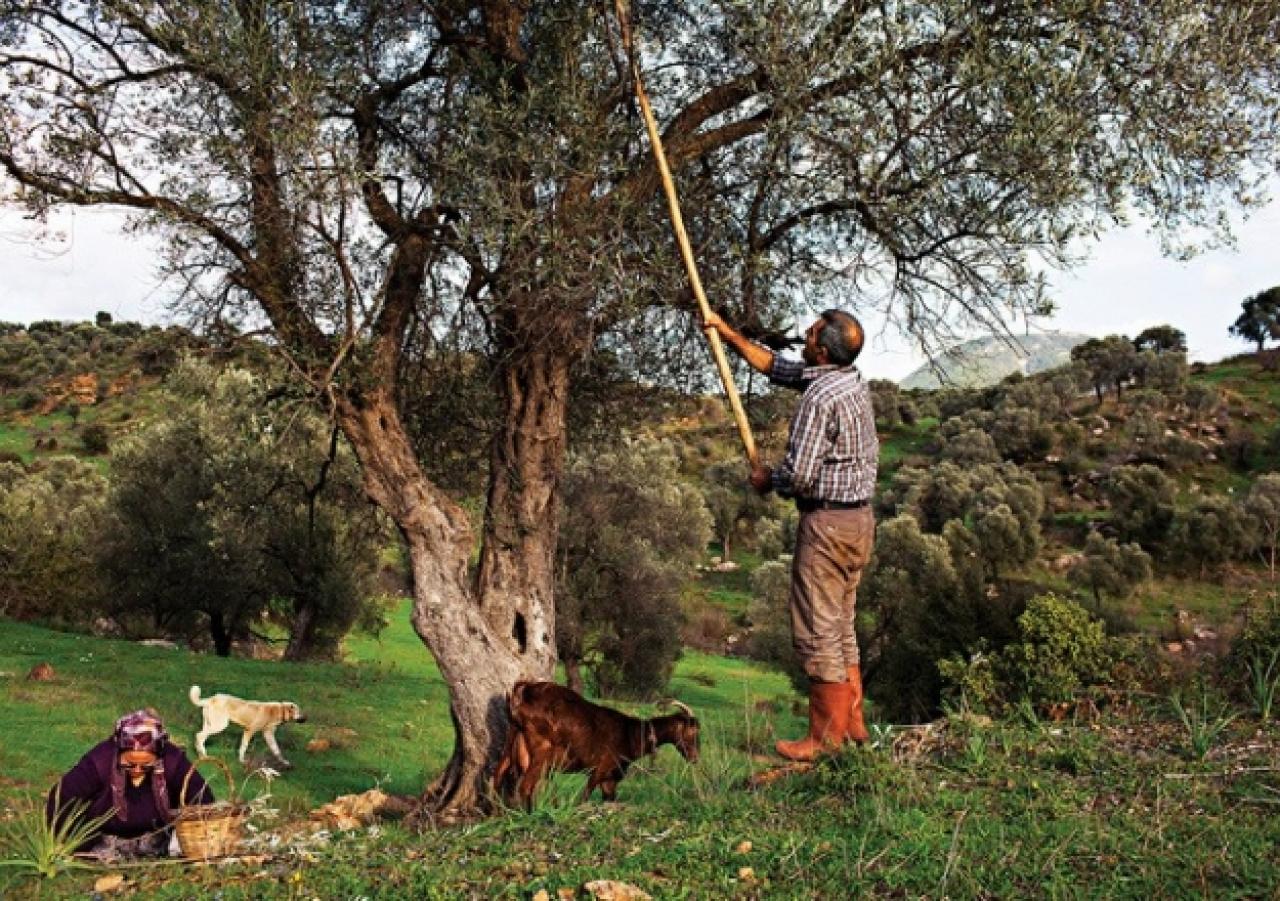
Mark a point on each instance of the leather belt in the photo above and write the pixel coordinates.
(809, 504)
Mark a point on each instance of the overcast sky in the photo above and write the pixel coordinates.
(84, 263)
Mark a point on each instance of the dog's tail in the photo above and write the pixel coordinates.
(194, 694)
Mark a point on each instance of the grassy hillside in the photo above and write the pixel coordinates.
(385, 710)
(1116, 806)
(1129, 800)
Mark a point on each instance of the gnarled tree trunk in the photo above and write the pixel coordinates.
(516, 578)
(487, 633)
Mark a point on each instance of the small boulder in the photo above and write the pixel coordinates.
(112, 882)
(609, 890)
(41, 672)
(353, 811)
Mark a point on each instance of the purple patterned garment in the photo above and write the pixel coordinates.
(148, 807)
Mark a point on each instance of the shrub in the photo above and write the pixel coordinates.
(770, 622)
(1258, 641)
(50, 520)
(631, 533)
(1060, 651)
(971, 682)
(1107, 566)
(1062, 648)
(1020, 433)
(1142, 504)
(922, 600)
(777, 536)
(95, 439)
(884, 399)
(1209, 534)
(1263, 505)
(707, 628)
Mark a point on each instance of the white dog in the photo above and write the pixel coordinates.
(222, 710)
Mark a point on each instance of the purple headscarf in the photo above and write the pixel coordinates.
(141, 730)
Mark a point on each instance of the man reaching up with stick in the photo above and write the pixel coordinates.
(830, 471)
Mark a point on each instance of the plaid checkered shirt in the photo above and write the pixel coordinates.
(832, 450)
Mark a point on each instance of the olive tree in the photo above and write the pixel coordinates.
(937, 495)
(1263, 504)
(1259, 319)
(731, 501)
(920, 602)
(236, 504)
(1161, 339)
(378, 180)
(631, 535)
(1142, 503)
(1210, 533)
(51, 517)
(1109, 566)
(1110, 361)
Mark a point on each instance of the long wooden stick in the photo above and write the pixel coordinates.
(682, 238)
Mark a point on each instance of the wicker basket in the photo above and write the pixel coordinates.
(209, 830)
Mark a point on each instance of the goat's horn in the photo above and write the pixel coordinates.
(682, 707)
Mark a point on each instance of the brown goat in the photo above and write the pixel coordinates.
(553, 727)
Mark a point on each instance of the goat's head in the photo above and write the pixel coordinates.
(682, 730)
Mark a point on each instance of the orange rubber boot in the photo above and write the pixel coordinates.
(829, 708)
(857, 731)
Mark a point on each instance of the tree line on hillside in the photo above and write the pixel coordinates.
(230, 509)
(232, 513)
(33, 355)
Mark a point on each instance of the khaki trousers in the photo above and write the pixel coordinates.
(832, 549)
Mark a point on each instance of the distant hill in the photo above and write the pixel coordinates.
(985, 361)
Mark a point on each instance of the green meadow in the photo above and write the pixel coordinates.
(1113, 806)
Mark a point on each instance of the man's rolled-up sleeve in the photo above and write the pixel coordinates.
(797, 475)
(787, 373)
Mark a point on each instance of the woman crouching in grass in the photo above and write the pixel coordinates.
(134, 777)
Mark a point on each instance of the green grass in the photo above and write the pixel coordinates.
(389, 694)
(1113, 809)
(100, 679)
(731, 591)
(16, 440)
(1153, 607)
(1118, 808)
(1244, 376)
(905, 440)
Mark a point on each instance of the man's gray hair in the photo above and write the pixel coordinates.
(842, 336)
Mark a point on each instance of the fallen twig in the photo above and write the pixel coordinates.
(1225, 773)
